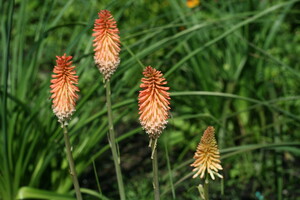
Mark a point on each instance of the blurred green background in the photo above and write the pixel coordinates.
(232, 64)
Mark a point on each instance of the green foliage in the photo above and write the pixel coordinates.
(231, 64)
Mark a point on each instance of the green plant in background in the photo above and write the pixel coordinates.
(63, 89)
(154, 106)
(233, 65)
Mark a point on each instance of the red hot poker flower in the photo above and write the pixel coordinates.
(64, 89)
(153, 102)
(106, 43)
(192, 3)
(207, 156)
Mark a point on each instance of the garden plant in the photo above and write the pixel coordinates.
(139, 99)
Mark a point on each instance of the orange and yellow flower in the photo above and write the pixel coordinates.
(207, 156)
(192, 3)
(153, 102)
(63, 88)
(106, 43)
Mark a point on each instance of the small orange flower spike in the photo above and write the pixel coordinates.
(64, 89)
(207, 156)
(153, 102)
(192, 3)
(106, 43)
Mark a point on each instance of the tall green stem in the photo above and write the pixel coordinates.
(71, 163)
(155, 170)
(112, 141)
(206, 182)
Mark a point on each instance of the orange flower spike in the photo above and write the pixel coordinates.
(64, 89)
(153, 102)
(207, 156)
(106, 43)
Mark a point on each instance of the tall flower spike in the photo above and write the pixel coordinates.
(106, 43)
(64, 89)
(153, 102)
(207, 156)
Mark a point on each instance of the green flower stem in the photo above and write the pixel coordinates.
(71, 163)
(155, 170)
(112, 142)
(206, 182)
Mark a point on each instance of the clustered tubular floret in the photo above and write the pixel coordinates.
(153, 102)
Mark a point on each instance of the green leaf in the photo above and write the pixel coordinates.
(32, 193)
